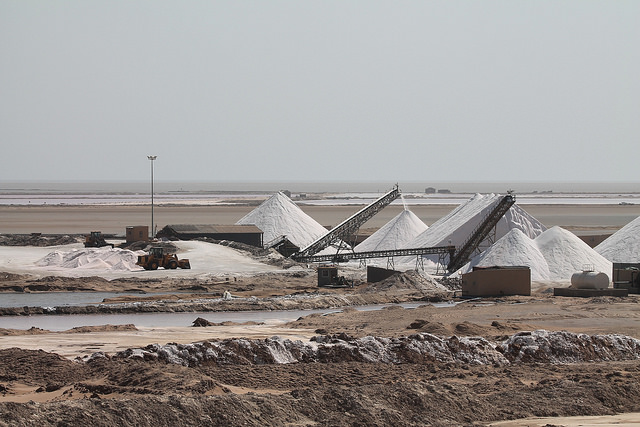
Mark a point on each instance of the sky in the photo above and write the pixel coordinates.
(332, 90)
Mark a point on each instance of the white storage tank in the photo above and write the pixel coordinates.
(590, 280)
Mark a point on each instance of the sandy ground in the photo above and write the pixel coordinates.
(622, 420)
(42, 383)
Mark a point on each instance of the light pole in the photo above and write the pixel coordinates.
(152, 158)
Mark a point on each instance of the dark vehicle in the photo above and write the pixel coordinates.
(157, 258)
(95, 240)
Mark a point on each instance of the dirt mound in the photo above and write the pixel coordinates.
(200, 322)
(37, 239)
(15, 332)
(60, 283)
(466, 329)
(435, 328)
(168, 247)
(78, 329)
(38, 367)
(470, 329)
(410, 281)
(112, 392)
(102, 328)
(9, 277)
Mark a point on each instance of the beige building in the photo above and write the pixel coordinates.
(137, 233)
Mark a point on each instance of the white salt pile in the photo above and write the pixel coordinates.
(566, 253)
(623, 245)
(278, 216)
(114, 259)
(456, 227)
(394, 234)
(552, 256)
(513, 249)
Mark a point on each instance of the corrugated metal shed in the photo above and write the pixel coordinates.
(249, 234)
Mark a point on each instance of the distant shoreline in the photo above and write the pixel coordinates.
(226, 187)
(310, 199)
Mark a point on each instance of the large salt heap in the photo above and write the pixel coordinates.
(552, 256)
(514, 249)
(456, 227)
(394, 234)
(623, 245)
(278, 216)
(566, 254)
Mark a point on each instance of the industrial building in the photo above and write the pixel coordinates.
(247, 234)
(626, 276)
(137, 233)
(497, 281)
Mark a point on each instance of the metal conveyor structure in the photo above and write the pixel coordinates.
(347, 227)
(457, 258)
(347, 256)
(275, 242)
(481, 232)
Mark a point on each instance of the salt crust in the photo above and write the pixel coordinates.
(539, 346)
(113, 259)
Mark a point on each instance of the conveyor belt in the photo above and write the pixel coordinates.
(346, 256)
(347, 227)
(481, 232)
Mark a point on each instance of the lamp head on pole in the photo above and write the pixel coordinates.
(152, 157)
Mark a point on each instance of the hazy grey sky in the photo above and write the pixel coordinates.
(320, 90)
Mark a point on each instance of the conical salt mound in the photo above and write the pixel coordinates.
(554, 255)
(514, 249)
(623, 245)
(456, 227)
(278, 216)
(566, 254)
(395, 233)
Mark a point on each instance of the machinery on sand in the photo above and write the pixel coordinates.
(95, 240)
(328, 277)
(158, 258)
